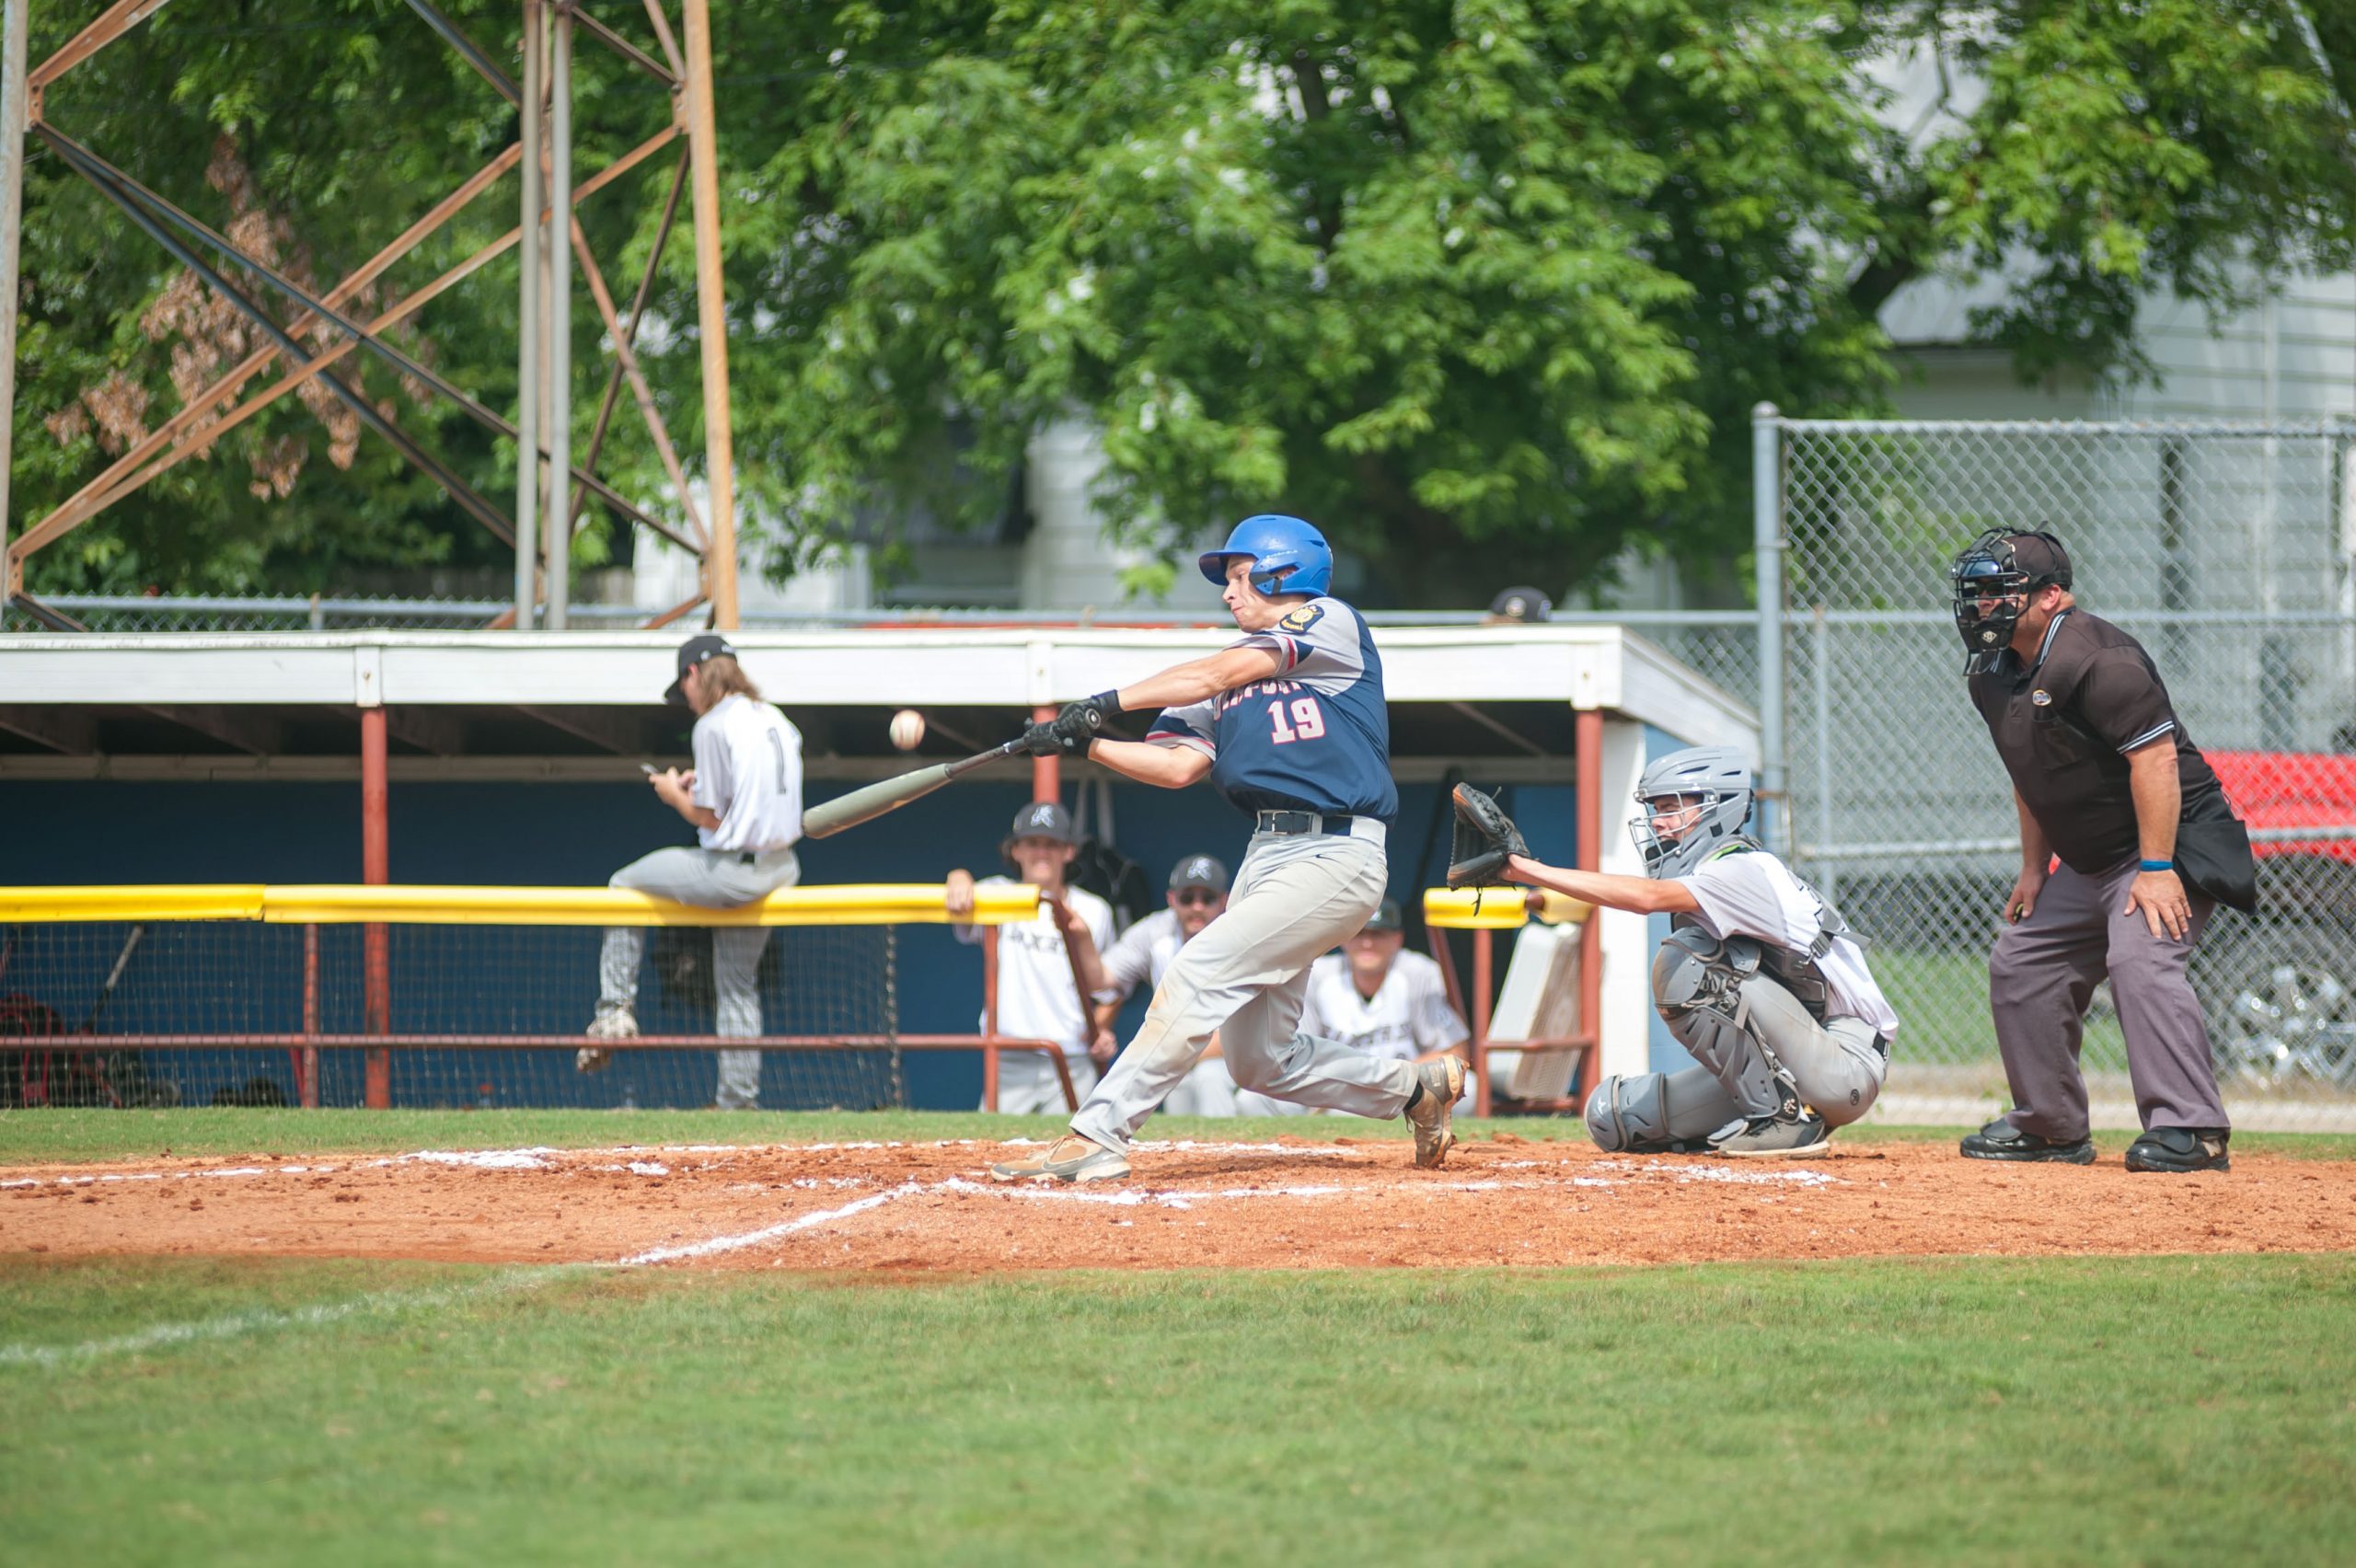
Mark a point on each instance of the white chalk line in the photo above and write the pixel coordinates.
(810, 1221)
(263, 1319)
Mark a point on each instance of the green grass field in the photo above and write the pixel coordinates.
(1959, 1409)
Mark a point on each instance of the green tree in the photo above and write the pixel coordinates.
(1486, 287)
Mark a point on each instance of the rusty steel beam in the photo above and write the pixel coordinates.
(620, 46)
(100, 172)
(711, 318)
(662, 36)
(639, 389)
(656, 623)
(630, 335)
(96, 171)
(466, 50)
(113, 22)
(109, 487)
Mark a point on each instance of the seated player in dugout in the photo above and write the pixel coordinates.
(1197, 895)
(1290, 723)
(1374, 996)
(1047, 966)
(1759, 978)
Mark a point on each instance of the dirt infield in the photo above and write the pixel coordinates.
(864, 1207)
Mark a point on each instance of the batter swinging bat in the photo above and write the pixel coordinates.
(864, 804)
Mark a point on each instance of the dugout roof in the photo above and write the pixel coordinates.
(487, 705)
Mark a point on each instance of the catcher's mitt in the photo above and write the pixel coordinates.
(1485, 838)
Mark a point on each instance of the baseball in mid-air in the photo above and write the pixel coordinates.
(907, 729)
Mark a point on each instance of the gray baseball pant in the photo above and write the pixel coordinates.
(2039, 978)
(1837, 1067)
(1297, 895)
(709, 879)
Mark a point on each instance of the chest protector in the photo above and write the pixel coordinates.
(1795, 969)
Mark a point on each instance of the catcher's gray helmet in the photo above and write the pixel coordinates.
(1719, 778)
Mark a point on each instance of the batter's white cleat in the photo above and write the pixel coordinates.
(1442, 1082)
(611, 1024)
(1069, 1159)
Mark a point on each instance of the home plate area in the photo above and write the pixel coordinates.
(1280, 1204)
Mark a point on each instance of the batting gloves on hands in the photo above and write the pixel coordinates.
(1068, 733)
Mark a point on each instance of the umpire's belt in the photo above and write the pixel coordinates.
(1310, 822)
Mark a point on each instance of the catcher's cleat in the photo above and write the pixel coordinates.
(611, 1024)
(1441, 1081)
(1774, 1137)
(2178, 1150)
(2001, 1140)
(1069, 1159)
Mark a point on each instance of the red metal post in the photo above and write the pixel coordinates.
(990, 1019)
(1047, 772)
(1484, 962)
(375, 868)
(307, 1074)
(1588, 733)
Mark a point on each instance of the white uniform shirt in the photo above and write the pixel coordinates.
(1142, 954)
(1036, 998)
(1407, 1016)
(1752, 894)
(748, 773)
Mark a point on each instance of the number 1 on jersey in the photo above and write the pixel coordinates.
(1307, 720)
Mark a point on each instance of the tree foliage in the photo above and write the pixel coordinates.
(1487, 287)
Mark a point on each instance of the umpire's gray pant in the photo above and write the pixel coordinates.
(710, 879)
(2040, 976)
(1296, 897)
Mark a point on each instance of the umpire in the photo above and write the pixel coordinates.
(2103, 776)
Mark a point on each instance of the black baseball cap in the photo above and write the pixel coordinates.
(1198, 870)
(1385, 918)
(1043, 819)
(694, 651)
(2039, 556)
(1521, 604)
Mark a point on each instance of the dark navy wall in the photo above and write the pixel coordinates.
(571, 833)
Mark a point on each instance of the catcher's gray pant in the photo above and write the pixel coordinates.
(1297, 895)
(1837, 1070)
(2039, 977)
(710, 879)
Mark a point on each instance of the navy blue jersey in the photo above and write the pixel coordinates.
(1316, 738)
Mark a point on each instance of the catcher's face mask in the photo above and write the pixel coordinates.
(1992, 590)
(1666, 820)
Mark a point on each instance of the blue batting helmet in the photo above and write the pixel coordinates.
(1288, 556)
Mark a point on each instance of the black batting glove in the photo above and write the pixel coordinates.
(1082, 722)
(1041, 740)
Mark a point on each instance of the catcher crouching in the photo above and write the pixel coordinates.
(1759, 979)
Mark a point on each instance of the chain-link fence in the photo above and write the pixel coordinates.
(2230, 552)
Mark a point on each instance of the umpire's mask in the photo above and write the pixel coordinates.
(1994, 582)
(1714, 781)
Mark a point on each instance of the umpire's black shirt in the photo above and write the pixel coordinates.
(2063, 725)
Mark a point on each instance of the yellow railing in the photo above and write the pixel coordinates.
(330, 904)
(1497, 908)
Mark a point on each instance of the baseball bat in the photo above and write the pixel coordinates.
(872, 800)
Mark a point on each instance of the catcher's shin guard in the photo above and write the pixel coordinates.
(1656, 1113)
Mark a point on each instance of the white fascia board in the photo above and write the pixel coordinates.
(1587, 666)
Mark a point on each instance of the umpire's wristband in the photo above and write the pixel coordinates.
(2159, 865)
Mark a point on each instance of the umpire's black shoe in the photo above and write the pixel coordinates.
(2001, 1140)
(2179, 1150)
